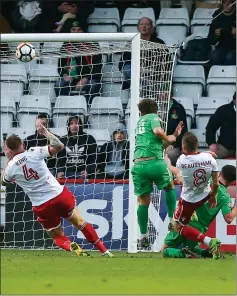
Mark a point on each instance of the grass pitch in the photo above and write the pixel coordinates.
(59, 272)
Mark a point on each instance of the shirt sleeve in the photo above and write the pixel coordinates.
(155, 121)
(41, 152)
(7, 178)
(214, 165)
(227, 205)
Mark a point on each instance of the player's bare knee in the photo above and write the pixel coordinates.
(144, 200)
(169, 187)
(55, 233)
(177, 226)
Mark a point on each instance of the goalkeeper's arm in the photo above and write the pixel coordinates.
(230, 216)
(159, 132)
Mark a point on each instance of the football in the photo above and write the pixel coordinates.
(25, 52)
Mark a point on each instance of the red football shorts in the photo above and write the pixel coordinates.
(49, 214)
(185, 210)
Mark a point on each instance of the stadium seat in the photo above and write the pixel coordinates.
(21, 132)
(206, 107)
(105, 113)
(104, 20)
(59, 131)
(202, 18)
(111, 73)
(221, 81)
(173, 24)
(13, 79)
(101, 136)
(133, 15)
(68, 105)
(201, 135)
(30, 106)
(42, 79)
(188, 81)
(188, 106)
(8, 111)
(115, 90)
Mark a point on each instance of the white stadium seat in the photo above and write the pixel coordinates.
(104, 20)
(8, 111)
(202, 18)
(21, 132)
(59, 131)
(221, 81)
(188, 81)
(115, 90)
(133, 15)
(101, 135)
(187, 103)
(66, 106)
(30, 106)
(111, 73)
(42, 79)
(172, 25)
(13, 79)
(105, 113)
(206, 107)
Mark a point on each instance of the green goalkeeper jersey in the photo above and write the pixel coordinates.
(224, 203)
(147, 143)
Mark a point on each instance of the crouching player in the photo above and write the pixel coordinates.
(176, 245)
(50, 200)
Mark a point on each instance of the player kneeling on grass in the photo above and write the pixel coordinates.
(176, 245)
(50, 200)
(196, 170)
(150, 166)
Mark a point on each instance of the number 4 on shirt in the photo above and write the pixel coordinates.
(29, 173)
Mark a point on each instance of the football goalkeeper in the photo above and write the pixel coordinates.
(150, 166)
(176, 245)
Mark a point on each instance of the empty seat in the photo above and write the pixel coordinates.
(201, 135)
(133, 15)
(188, 81)
(21, 132)
(42, 79)
(8, 111)
(206, 107)
(30, 106)
(202, 18)
(68, 105)
(221, 81)
(101, 136)
(59, 131)
(13, 79)
(105, 113)
(173, 23)
(115, 90)
(104, 20)
(187, 103)
(111, 73)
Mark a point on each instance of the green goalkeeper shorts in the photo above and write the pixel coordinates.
(174, 240)
(147, 172)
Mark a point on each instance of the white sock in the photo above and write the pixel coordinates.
(207, 240)
(144, 235)
(106, 252)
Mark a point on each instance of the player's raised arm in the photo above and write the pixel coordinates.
(55, 145)
(5, 176)
(174, 170)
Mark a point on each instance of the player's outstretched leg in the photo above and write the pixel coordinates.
(89, 232)
(142, 216)
(64, 242)
(194, 234)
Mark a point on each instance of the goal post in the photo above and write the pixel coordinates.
(108, 203)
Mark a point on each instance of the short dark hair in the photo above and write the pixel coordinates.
(190, 141)
(147, 106)
(150, 20)
(43, 116)
(229, 173)
(13, 142)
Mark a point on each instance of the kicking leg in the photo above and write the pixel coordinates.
(142, 215)
(88, 231)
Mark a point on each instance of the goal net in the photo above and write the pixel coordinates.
(85, 87)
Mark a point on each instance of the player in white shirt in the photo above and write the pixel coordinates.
(195, 172)
(50, 200)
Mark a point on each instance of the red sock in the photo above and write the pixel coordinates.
(192, 234)
(92, 237)
(63, 242)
